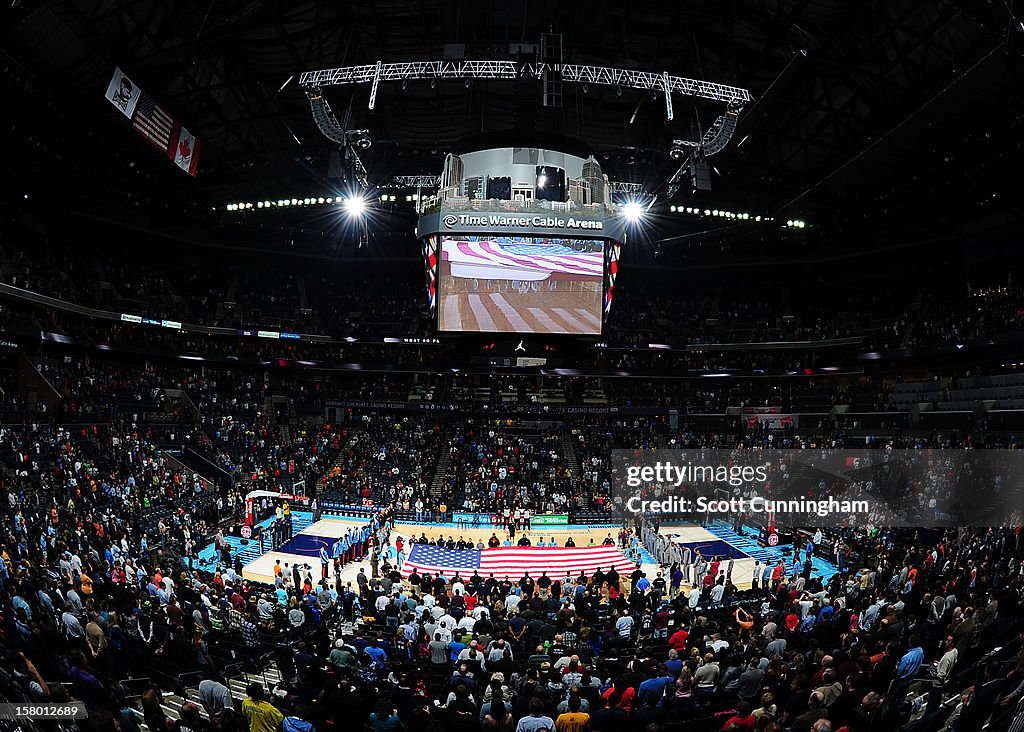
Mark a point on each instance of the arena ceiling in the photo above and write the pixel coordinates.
(860, 107)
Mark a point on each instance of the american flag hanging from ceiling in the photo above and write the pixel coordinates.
(155, 123)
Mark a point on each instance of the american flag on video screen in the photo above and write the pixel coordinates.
(539, 257)
(153, 122)
(514, 561)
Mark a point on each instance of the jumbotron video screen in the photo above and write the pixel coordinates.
(494, 284)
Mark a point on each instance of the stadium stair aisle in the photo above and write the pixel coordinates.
(269, 678)
(572, 460)
(437, 487)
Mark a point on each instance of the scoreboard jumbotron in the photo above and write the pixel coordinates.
(521, 240)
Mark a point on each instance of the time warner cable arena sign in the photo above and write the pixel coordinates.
(542, 224)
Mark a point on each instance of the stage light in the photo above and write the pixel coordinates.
(633, 212)
(330, 199)
(706, 212)
(714, 212)
(259, 204)
(757, 218)
(320, 200)
(355, 206)
(672, 209)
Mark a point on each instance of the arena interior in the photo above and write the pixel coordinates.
(415, 366)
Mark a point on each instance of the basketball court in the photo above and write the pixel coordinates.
(716, 539)
(719, 539)
(697, 538)
(304, 547)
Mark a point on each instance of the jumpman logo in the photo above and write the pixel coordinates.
(521, 347)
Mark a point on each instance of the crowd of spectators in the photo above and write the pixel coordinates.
(495, 470)
(102, 577)
(331, 299)
(905, 631)
(387, 459)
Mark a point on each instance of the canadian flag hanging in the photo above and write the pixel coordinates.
(185, 151)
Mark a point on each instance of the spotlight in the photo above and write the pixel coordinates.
(320, 200)
(676, 152)
(672, 209)
(633, 212)
(706, 212)
(330, 199)
(259, 204)
(355, 206)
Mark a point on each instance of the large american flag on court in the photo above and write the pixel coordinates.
(153, 123)
(514, 561)
(541, 258)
